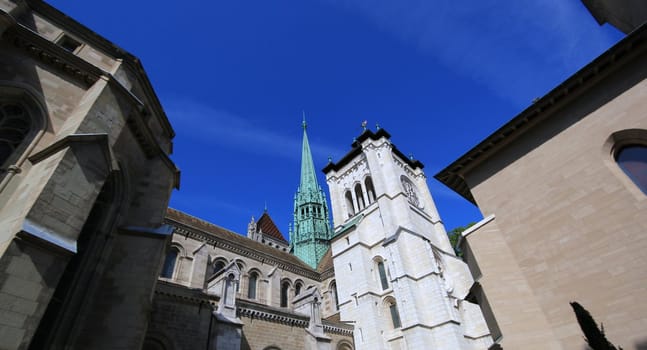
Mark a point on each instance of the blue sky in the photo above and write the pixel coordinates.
(235, 76)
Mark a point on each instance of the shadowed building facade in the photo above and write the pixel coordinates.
(84, 184)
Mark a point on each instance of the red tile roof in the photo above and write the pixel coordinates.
(267, 226)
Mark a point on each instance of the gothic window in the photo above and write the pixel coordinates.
(169, 263)
(335, 299)
(253, 280)
(632, 159)
(285, 288)
(382, 271)
(349, 203)
(410, 191)
(360, 197)
(393, 310)
(370, 190)
(15, 125)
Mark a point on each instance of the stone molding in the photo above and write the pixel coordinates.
(247, 252)
(262, 312)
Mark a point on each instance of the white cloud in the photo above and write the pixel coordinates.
(518, 49)
(229, 130)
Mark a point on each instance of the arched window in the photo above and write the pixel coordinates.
(297, 288)
(632, 160)
(382, 271)
(285, 287)
(360, 197)
(15, 124)
(393, 310)
(335, 299)
(218, 266)
(169, 263)
(370, 190)
(349, 203)
(251, 289)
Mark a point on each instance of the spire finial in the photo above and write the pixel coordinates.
(364, 123)
(377, 126)
(304, 120)
(265, 209)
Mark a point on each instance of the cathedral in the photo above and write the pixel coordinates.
(92, 257)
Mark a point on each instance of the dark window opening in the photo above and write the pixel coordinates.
(218, 266)
(382, 271)
(333, 286)
(632, 160)
(284, 294)
(68, 43)
(395, 316)
(169, 263)
(251, 291)
(15, 124)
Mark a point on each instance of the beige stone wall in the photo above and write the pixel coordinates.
(195, 264)
(569, 218)
(89, 130)
(259, 334)
(179, 322)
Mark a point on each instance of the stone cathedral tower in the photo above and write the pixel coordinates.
(398, 278)
(311, 233)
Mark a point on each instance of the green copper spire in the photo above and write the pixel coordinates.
(308, 177)
(310, 235)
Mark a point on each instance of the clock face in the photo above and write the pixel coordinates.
(411, 192)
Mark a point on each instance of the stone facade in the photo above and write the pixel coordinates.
(398, 277)
(83, 191)
(565, 223)
(269, 287)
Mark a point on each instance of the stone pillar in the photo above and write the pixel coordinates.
(309, 303)
(228, 328)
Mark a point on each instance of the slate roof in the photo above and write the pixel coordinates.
(266, 225)
(241, 242)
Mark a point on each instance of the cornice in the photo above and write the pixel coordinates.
(47, 52)
(86, 73)
(453, 176)
(99, 42)
(265, 313)
(225, 244)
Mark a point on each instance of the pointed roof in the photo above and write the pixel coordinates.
(266, 225)
(308, 177)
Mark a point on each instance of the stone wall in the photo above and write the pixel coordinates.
(569, 223)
